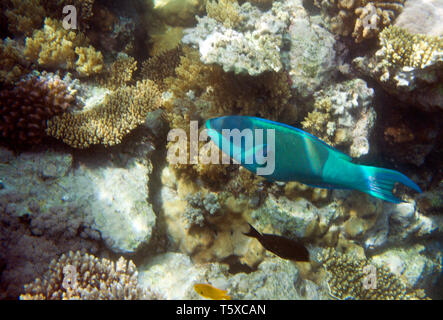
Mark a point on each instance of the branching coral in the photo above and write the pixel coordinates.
(161, 66)
(199, 206)
(403, 49)
(80, 276)
(363, 19)
(25, 16)
(224, 11)
(11, 62)
(122, 111)
(25, 108)
(119, 73)
(350, 277)
(54, 47)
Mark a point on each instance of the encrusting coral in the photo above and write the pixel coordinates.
(54, 47)
(25, 108)
(77, 276)
(122, 111)
(364, 19)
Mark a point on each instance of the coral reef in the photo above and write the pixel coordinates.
(407, 66)
(11, 62)
(243, 50)
(226, 12)
(54, 47)
(274, 279)
(200, 206)
(119, 73)
(107, 124)
(364, 19)
(77, 276)
(25, 108)
(343, 115)
(348, 275)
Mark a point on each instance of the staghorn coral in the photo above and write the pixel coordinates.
(54, 47)
(25, 16)
(77, 276)
(25, 108)
(347, 276)
(121, 112)
(364, 19)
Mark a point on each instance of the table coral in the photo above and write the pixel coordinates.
(80, 276)
(122, 111)
(25, 108)
(364, 19)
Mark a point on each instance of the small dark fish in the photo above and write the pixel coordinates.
(283, 247)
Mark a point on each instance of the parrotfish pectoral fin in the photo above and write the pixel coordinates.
(380, 182)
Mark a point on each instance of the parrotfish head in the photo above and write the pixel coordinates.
(228, 122)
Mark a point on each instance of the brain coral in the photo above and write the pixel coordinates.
(80, 276)
(121, 112)
(25, 108)
(363, 19)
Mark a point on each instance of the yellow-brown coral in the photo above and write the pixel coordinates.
(118, 73)
(25, 16)
(224, 11)
(349, 278)
(364, 19)
(121, 112)
(11, 64)
(403, 49)
(80, 276)
(54, 47)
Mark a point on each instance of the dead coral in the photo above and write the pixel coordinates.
(350, 277)
(224, 11)
(25, 108)
(364, 19)
(121, 112)
(80, 276)
(54, 47)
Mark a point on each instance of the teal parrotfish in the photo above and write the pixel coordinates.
(292, 154)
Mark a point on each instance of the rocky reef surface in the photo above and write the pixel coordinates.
(84, 119)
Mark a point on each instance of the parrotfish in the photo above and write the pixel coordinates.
(210, 292)
(286, 153)
(283, 247)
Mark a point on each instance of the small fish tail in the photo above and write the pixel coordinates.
(252, 232)
(379, 183)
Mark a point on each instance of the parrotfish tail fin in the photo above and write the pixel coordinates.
(252, 232)
(379, 183)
